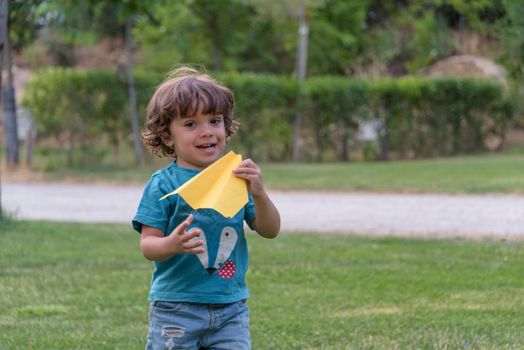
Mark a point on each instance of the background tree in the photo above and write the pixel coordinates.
(4, 8)
(104, 18)
(211, 33)
(512, 34)
(66, 26)
(21, 29)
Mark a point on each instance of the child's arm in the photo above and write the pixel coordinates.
(267, 222)
(155, 246)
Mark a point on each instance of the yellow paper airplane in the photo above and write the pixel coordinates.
(216, 187)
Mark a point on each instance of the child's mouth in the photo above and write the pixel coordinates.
(207, 146)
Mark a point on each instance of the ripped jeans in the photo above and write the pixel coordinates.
(176, 325)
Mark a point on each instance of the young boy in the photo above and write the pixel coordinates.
(198, 289)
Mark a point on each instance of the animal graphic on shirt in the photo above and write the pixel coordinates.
(225, 266)
(203, 257)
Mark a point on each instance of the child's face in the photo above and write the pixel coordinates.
(198, 140)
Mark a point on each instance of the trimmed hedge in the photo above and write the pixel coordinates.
(80, 108)
(265, 108)
(413, 116)
(334, 108)
(444, 116)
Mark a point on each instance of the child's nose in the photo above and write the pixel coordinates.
(206, 130)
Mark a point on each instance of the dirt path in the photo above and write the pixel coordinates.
(468, 216)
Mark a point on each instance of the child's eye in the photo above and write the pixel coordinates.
(216, 120)
(189, 124)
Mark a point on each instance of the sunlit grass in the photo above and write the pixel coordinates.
(79, 286)
(471, 174)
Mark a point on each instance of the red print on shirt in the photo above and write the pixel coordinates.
(228, 270)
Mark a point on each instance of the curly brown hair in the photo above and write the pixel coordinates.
(185, 93)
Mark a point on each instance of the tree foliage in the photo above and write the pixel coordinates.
(368, 37)
(23, 24)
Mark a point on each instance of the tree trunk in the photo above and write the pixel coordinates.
(319, 138)
(10, 122)
(301, 67)
(383, 137)
(3, 32)
(139, 155)
(70, 149)
(115, 153)
(344, 140)
(29, 147)
(216, 45)
(217, 57)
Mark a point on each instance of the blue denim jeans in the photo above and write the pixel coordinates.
(174, 325)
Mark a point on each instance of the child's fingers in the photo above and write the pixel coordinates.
(195, 251)
(191, 243)
(245, 170)
(181, 229)
(191, 235)
(248, 163)
(252, 177)
(188, 246)
(189, 219)
(242, 172)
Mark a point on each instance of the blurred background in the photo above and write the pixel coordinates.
(315, 81)
(369, 118)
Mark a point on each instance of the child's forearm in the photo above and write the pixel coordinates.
(267, 221)
(156, 248)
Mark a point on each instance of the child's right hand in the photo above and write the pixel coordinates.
(184, 241)
(156, 246)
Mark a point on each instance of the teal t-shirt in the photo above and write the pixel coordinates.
(216, 276)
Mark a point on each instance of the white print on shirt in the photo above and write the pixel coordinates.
(226, 268)
(228, 239)
(203, 257)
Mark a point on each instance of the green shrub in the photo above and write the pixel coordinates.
(427, 117)
(415, 116)
(265, 107)
(335, 103)
(76, 107)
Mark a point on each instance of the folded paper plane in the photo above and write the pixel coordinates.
(216, 187)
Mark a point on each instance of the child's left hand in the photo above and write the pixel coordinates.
(249, 171)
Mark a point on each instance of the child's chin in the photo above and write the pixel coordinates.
(209, 159)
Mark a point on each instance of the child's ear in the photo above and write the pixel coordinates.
(167, 139)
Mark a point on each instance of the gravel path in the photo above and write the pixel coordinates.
(467, 216)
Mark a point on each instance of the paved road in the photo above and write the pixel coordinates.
(471, 216)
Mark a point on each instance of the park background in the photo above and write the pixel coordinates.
(382, 96)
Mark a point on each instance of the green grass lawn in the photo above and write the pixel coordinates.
(79, 286)
(470, 174)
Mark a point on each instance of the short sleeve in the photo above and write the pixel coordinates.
(151, 210)
(249, 211)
